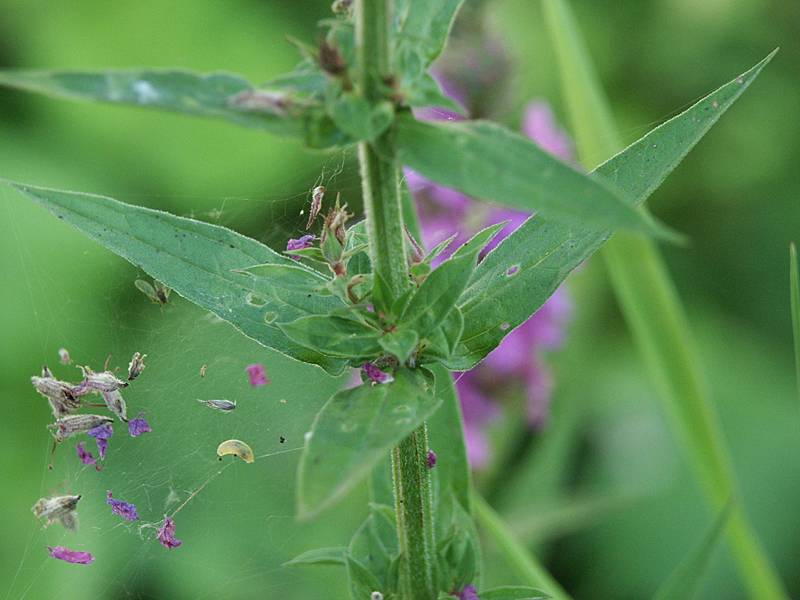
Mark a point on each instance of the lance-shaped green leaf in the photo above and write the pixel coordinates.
(281, 109)
(421, 29)
(685, 580)
(200, 261)
(334, 336)
(359, 119)
(515, 279)
(794, 291)
(446, 437)
(513, 592)
(320, 556)
(488, 161)
(353, 431)
(440, 291)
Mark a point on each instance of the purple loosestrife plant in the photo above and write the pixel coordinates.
(365, 295)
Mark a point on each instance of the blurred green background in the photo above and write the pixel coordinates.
(602, 494)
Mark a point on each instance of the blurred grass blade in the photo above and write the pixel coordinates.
(200, 261)
(653, 310)
(488, 161)
(353, 431)
(514, 280)
(516, 556)
(685, 580)
(794, 285)
(218, 95)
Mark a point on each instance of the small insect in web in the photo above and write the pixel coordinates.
(203, 370)
(221, 405)
(157, 291)
(318, 194)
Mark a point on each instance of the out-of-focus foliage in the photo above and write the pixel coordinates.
(600, 493)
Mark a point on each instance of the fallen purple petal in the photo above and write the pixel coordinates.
(138, 426)
(257, 374)
(85, 456)
(374, 374)
(126, 510)
(166, 534)
(101, 434)
(71, 556)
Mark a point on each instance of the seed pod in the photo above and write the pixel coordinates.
(58, 508)
(223, 405)
(105, 381)
(237, 448)
(59, 394)
(70, 425)
(116, 404)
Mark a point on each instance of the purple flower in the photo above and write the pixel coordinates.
(138, 426)
(468, 593)
(431, 459)
(166, 534)
(101, 434)
(125, 510)
(257, 374)
(374, 374)
(518, 362)
(301, 243)
(71, 556)
(85, 456)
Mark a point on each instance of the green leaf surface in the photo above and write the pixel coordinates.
(200, 261)
(684, 583)
(515, 279)
(422, 27)
(510, 592)
(400, 343)
(334, 336)
(794, 290)
(488, 161)
(219, 95)
(291, 277)
(353, 431)
(320, 556)
(425, 92)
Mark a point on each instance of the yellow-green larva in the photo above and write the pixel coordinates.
(237, 448)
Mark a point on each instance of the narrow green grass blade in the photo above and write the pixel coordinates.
(685, 580)
(654, 312)
(516, 556)
(794, 285)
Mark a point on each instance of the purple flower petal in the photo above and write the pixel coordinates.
(71, 556)
(301, 243)
(166, 534)
(257, 374)
(468, 593)
(138, 426)
(85, 456)
(431, 459)
(124, 509)
(101, 434)
(540, 125)
(374, 374)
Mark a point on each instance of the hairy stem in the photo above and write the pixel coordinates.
(654, 312)
(380, 181)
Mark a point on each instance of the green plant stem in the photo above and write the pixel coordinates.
(380, 181)
(516, 556)
(654, 313)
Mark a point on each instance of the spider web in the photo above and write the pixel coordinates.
(236, 520)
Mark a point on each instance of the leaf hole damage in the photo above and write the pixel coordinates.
(255, 300)
(269, 316)
(505, 326)
(512, 270)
